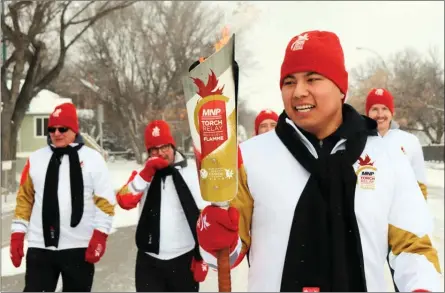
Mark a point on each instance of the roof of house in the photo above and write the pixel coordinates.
(44, 102)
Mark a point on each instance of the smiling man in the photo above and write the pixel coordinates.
(65, 207)
(318, 213)
(380, 107)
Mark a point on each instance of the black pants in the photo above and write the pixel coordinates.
(155, 275)
(392, 272)
(44, 266)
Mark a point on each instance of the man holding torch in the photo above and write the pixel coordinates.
(320, 211)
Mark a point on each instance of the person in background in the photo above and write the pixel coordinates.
(265, 121)
(168, 257)
(380, 107)
(65, 207)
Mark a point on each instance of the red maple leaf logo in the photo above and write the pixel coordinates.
(208, 89)
(365, 162)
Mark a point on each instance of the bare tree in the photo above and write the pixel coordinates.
(417, 84)
(138, 57)
(28, 26)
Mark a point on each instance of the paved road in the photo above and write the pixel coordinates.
(115, 272)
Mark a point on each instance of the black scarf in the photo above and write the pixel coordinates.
(50, 205)
(324, 248)
(148, 229)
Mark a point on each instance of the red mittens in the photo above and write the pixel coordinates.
(151, 166)
(217, 229)
(16, 248)
(200, 270)
(96, 247)
(127, 200)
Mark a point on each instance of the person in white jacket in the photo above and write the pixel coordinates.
(380, 107)
(319, 211)
(65, 207)
(168, 257)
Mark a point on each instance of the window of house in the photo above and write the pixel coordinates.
(41, 126)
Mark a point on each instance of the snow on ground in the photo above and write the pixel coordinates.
(8, 203)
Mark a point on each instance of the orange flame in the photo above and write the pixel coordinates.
(220, 43)
(224, 40)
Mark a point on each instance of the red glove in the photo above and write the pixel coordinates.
(200, 270)
(151, 166)
(125, 198)
(217, 229)
(96, 247)
(16, 248)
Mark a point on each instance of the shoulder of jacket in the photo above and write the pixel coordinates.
(376, 148)
(259, 141)
(189, 171)
(403, 133)
(42, 152)
(91, 154)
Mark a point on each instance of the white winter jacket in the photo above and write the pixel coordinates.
(409, 144)
(99, 199)
(175, 236)
(389, 207)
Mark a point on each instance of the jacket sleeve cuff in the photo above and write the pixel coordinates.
(138, 185)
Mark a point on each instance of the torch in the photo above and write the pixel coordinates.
(210, 91)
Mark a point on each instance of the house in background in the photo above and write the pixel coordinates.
(33, 131)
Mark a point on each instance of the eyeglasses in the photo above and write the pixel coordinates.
(61, 129)
(162, 148)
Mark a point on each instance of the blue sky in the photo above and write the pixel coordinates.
(385, 27)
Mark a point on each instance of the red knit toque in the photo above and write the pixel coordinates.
(158, 133)
(65, 115)
(263, 115)
(316, 51)
(379, 96)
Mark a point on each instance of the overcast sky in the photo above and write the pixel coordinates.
(385, 27)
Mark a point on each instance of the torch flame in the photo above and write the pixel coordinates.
(220, 43)
(224, 40)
